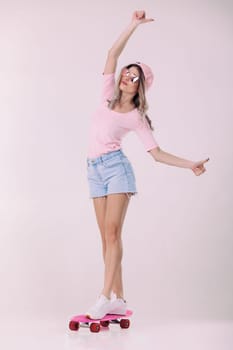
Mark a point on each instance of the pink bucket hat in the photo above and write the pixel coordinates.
(149, 76)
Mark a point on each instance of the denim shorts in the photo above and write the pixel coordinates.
(110, 173)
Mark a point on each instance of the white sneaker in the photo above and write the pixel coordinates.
(113, 296)
(118, 307)
(100, 309)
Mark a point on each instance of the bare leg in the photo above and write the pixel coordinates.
(100, 205)
(114, 217)
(118, 284)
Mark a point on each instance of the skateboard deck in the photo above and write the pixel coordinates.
(95, 325)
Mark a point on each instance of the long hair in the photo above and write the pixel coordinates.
(139, 98)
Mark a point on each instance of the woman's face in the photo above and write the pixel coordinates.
(129, 80)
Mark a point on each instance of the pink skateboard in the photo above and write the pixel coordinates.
(95, 325)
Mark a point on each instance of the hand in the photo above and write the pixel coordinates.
(139, 17)
(198, 167)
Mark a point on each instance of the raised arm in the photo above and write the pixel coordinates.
(138, 17)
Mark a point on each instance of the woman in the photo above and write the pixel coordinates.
(110, 174)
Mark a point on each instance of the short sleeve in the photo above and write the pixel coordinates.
(145, 134)
(108, 86)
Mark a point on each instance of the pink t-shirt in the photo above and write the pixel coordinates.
(109, 127)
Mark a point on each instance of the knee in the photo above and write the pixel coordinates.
(104, 248)
(112, 232)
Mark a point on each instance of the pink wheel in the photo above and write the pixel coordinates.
(95, 327)
(125, 323)
(73, 326)
(104, 323)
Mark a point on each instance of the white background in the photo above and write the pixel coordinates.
(178, 242)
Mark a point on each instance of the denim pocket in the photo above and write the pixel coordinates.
(108, 163)
(128, 167)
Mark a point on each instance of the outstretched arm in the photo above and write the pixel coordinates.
(170, 159)
(139, 17)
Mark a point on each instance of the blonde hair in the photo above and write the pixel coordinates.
(139, 98)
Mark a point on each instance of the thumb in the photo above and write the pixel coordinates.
(206, 160)
(146, 20)
(202, 162)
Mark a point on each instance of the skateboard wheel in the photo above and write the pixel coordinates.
(124, 323)
(95, 327)
(104, 323)
(73, 326)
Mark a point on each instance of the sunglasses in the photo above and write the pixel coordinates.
(133, 77)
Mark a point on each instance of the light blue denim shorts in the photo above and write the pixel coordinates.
(110, 173)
